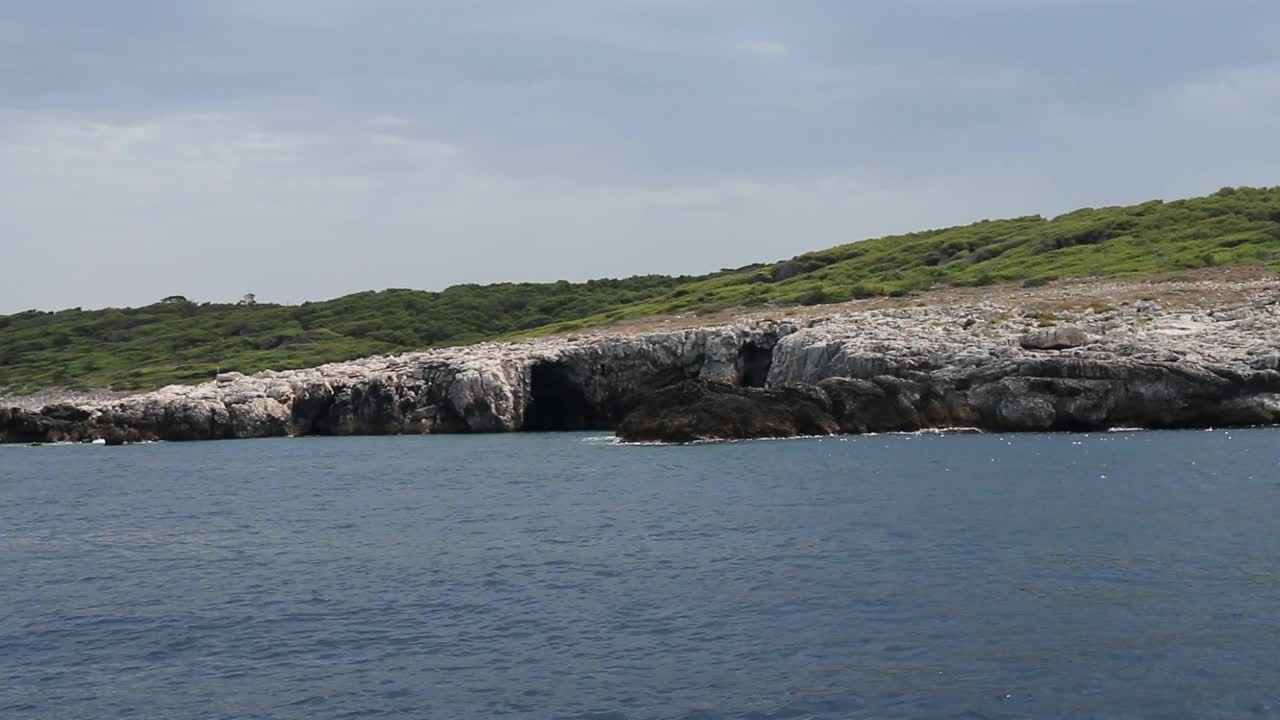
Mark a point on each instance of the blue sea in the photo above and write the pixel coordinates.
(564, 576)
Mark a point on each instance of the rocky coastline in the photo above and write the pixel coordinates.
(1043, 360)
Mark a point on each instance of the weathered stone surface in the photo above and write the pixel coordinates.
(893, 369)
(697, 410)
(1055, 338)
(882, 404)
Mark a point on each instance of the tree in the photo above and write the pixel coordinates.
(174, 300)
(248, 299)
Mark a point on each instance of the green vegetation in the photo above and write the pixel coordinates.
(179, 341)
(1235, 226)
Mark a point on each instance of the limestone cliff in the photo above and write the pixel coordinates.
(986, 364)
(551, 384)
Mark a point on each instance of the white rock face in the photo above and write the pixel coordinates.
(1058, 338)
(959, 363)
(949, 339)
(481, 388)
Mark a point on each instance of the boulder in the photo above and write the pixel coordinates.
(1266, 362)
(1056, 338)
(884, 404)
(700, 410)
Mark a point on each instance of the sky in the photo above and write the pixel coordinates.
(305, 149)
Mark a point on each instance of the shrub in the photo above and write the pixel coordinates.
(817, 296)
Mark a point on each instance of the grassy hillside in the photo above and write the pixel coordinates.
(177, 341)
(1235, 226)
(180, 341)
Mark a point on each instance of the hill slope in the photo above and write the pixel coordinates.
(180, 341)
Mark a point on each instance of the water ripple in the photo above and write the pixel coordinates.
(566, 576)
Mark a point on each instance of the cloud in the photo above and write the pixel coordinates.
(768, 49)
(1238, 98)
(298, 13)
(212, 206)
(299, 149)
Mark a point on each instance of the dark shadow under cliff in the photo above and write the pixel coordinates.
(558, 402)
(754, 363)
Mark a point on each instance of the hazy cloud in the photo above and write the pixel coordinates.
(770, 49)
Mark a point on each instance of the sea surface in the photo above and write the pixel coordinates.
(564, 576)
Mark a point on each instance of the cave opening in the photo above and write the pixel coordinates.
(312, 416)
(557, 402)
(753, 365)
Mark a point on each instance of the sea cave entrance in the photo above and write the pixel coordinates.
(753, 365)
(557, 402)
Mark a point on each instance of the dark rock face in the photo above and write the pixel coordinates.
(53, 424)
(65, 413)
(1040, 396)
(695, 410)
(886, 404)
(1077, 395)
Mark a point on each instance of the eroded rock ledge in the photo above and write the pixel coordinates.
(1004, 366)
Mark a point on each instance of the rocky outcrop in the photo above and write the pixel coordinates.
(22, 426)
(559, 383)
(1047, 395)
(1056, 338)
(697, 410)
(981, 364)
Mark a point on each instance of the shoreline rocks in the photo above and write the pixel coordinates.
(697, 410)
(1045, 397)
(1058, 338)
(986, 364)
